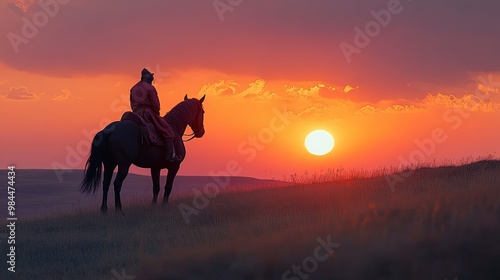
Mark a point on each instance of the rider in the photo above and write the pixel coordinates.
(144, 102)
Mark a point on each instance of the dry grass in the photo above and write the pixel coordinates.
(439, 223)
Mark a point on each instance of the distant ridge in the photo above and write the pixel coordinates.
(451, 169)
(41, 192)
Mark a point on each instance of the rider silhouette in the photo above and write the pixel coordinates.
(144, 102)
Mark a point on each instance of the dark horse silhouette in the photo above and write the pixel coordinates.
(119, 144)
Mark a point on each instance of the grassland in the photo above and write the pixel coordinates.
(439, 223)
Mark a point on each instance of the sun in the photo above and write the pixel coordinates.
(319, 142)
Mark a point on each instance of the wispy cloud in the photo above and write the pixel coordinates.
(63, 95)
(21, 93)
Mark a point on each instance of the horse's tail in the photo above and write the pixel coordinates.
(93, 167)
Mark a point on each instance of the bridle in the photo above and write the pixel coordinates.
(192, 135)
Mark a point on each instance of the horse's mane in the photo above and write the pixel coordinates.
(181, 113)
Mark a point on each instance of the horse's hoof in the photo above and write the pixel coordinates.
(119, 211)
(104, 211)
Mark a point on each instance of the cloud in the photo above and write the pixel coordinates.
(488, 87)
(229, 88)
(255, 90)
(275, 40)
(403, 108)
(368, 109)
(302, 92)
(64, 95)
(348, 88)
(316, 110)
(322, 108)
(319, 100)
(220, 88)
(470, 102)
(315, 92)
(479, 101)
(396, 108)
(21, 93)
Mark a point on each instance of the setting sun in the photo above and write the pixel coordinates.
(319, 142)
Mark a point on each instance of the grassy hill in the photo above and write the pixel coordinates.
(439, 223)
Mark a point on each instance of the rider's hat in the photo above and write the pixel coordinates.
(145, 71)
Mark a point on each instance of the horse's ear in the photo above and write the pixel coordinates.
(202, 99)
(186, 97)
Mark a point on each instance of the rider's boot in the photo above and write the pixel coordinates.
(171, 156)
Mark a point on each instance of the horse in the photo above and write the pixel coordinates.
(119, 144)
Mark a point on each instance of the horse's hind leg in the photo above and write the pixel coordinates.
(120, 176)
(108, 174)
(155, 175)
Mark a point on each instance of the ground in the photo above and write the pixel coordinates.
(437, 223)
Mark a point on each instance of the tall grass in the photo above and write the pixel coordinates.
(440, 223)
(341, 173)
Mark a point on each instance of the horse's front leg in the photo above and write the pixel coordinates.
(155, 176)
(172, 171)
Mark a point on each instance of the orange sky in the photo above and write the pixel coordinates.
(263, 70)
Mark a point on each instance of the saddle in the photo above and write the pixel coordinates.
(147, 130)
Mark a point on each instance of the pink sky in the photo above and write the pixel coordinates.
(67, 67)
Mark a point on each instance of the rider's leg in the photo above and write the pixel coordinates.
(169, 144)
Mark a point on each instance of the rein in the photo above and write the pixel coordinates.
(176, 117)
(191, 138)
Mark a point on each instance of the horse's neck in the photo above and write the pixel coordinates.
(178, 126)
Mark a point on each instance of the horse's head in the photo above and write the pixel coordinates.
(197, 123)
